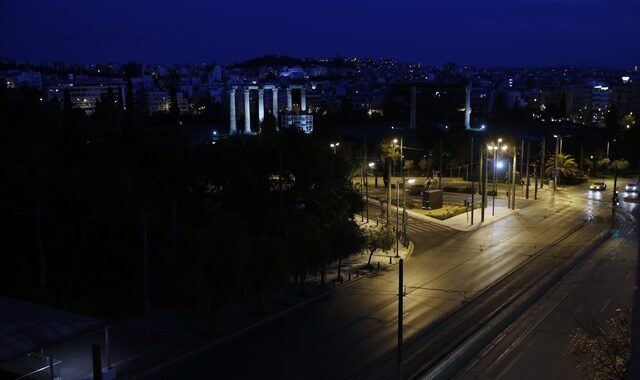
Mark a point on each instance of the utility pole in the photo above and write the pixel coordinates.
(555, 165)
(362, 175)
(482, 183)
(400, 312)
(581, 154)
(528, 179)
(404, 191)
(535, 175)
(614, 197)
(513, 179)
(509, 186)
(366, 181)
(522, 158)
(440, 173)
(486, 179)
(398, 220)
(473, 183)
(388, 189)
(543, 164)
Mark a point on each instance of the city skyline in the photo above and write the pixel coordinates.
(491, 33)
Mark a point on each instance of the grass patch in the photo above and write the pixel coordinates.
(447, 211)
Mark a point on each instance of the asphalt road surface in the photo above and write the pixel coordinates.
(538, 344)
(351, 332)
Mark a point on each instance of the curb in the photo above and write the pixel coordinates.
(456, 360)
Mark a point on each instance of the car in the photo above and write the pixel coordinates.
(632, 187)
(598, 186)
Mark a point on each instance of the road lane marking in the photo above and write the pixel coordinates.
(605, 305)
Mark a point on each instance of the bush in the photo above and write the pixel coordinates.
(452, 189)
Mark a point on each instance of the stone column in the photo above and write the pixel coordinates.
(274, 94)
(232, 112)
(247, 112)
(303, 100)
(289, 101)
(260, 105)
(413, 107)
(467, 105)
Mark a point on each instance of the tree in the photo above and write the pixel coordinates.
(345, 239)
(567, 166)
(129, 106)
(628, 121)
(424, 165)
(174, 107)
(268, 125)
(603, 352)
(107, 111)
(603, 163)
(378, 238)
(621, 164)
(390, 153)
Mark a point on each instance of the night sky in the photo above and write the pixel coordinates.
(474, 32)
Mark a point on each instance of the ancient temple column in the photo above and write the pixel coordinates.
(467, 105)
(247, 112)
(303, 100)
(260, 105)
(413, 107)
(289, 100)
(232, 111)
(274, 94)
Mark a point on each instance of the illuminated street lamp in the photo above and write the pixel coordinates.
(334, 146)
(372, 166)
(496, 155)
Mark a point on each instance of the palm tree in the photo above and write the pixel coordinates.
(567, 166)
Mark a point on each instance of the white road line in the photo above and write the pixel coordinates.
(605, 305)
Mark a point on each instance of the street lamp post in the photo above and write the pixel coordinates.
(405, 220)
(473, 184)
(483, 183)
(555, 163)
(404, 191)
(496, 156)
(513, 179)
(609, 141)
(397, 218)
(334, 146)
(371, 165)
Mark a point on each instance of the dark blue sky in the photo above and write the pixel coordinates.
(475, 32)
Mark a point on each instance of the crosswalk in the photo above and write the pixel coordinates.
(416, 226)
